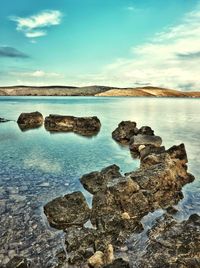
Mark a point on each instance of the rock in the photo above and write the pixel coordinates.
(18, 262)
(139, 140)
(3, 120)
(149, 149)
(118, 263)
(124, 132)
(96, 261)
(72, 209)
(30, 120)
(86, 126)
(97, 181)
(173, 244)
(145, 130)
(125, 216)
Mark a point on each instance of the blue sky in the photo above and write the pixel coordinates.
(107, 42)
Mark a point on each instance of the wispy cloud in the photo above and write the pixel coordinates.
(36, 74)
(161, 61)
(36, 25)
(11, 52)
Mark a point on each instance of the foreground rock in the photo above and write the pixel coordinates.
(30, 120)
(71, 209)
(119, 203)
(174, 244)
(86, 126)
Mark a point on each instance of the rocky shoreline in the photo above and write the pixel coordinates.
(97, 236)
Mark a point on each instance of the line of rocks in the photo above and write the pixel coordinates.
(86, 126)
(121, 201)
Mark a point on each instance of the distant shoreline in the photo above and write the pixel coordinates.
(101, 91)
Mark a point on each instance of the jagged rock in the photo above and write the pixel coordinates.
(18, 262)
(149, 149)
(145, 130)
(124, 132)
(97, 181)
(71, 209)
(30, 120)
(86, 126)
(174, 244)
(118, 263)
(139, 140)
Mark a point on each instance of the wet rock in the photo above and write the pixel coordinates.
(3, 120)
(30, 120)
(124, 132)
(174, 244)
(139, 140)
(149, 149)
(86, 126)
(118, 263)
(97, 181)
(145, 130)
(18, 262)
(71, 209)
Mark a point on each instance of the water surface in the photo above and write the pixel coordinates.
(36, 166)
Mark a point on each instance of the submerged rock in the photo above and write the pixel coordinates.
(174, 244)
(71, 209)
(3, 120)
(86, 126)
(30, 120)
(124, 132)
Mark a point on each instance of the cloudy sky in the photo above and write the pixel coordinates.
(124, 43)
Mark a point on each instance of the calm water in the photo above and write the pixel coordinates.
(36, 166)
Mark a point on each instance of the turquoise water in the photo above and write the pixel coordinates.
(36, 166)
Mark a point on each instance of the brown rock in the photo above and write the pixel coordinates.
(30, 120)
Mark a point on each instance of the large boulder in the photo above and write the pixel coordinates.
(30, 120)
(97, 181)
(124, 132)
(86, 126)
(146, 130)
(71, 209)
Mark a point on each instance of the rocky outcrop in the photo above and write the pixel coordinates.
(71, 209)
(119, 203)
(124, 132)
(30, 120)
(173, 244)
(86, 126)
(137, 139)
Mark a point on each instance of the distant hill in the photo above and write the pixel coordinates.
(94, 91)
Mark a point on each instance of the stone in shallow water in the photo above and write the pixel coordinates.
(97, 181)
(30, 120)
(124, 131)
(86, 126)
(138, 140)
(71, 209)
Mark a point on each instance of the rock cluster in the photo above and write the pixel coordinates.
(137, 139)
(86, 126)
(119, 203)
(30, 120)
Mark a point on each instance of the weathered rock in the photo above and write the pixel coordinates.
(118, 263)
(124, 132)
(71, 209)
(18, 262)
(174, 244)
(139, 140)
(97, 181)
(145, 130)
(86, 126)
(149, 149)
(30, 120)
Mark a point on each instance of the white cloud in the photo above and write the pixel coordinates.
(36, 74)
(36, 25)
(131, 8)
(170, 59)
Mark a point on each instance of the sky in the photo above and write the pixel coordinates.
(122, 43)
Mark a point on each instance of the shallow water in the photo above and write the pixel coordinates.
(36, 166)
